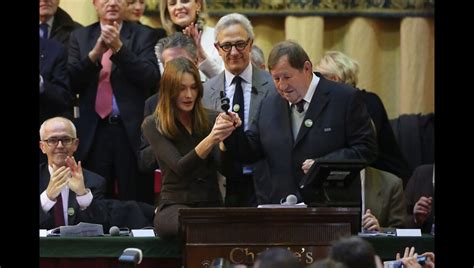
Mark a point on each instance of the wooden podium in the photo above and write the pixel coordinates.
(240, 234)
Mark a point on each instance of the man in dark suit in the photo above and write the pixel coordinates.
(65, 187)
(113, 59)
(55, 95)
(59, 23)
(311, 119)
(234, 39)
(419, 196)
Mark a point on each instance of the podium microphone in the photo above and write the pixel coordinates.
(290, 200)
(130, 258)
(114, 231)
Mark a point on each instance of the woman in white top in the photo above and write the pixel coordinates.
(188, 16)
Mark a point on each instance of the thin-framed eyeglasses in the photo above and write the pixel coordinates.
(54, 141)
(239, 45)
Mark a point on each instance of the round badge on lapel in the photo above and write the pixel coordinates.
(308, 123)
(236, 108)
(70, 211)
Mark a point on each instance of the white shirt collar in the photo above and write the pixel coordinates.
(49, 22)
(246, 75)
(311, 90)
(120, 26)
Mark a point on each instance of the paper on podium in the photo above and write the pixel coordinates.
(82, 229)
(299, 205)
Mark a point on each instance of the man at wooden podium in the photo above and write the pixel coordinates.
(311, 118)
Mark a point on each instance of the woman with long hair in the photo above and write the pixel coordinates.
(185, 143)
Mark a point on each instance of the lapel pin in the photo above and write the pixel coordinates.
(236, 108)
(308, 123)
(70, 211)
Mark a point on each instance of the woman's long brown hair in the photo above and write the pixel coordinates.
(170, 85)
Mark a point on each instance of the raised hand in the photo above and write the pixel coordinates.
(223, 127)
(307, 164)
(76, 182)
(370, 222)
(98, 50)
(110, 34)
(422, 210)
(59, 179)
(192, 31)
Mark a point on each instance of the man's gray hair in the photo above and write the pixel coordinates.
(59, 118)
(231, 19)
(176, 40)
(257, 56)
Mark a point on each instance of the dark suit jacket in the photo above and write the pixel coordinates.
(340, 129)
(415, 135)
(146, 158)
(134, 76)
(420, 184)
(262, 86)
(56, 99)
(95, 213)
(62, 27)
(390, 157)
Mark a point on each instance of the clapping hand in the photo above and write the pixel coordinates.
(76, 182)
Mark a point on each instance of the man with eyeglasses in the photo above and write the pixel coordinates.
(68, 193)
(246, 86)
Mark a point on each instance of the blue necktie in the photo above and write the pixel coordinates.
(43, 30)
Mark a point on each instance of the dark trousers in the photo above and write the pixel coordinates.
(240, 192)
(111, 156)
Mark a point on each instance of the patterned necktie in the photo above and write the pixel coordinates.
(43, 27)
(103, 100)
(58, 212)
(238, 99)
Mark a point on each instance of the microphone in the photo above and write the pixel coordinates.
(225, 102)
(114, 231)
(130, 257)
(290, 200)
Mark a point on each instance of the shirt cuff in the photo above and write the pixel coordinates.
(41, 84)
(85, 200)
(46, 204)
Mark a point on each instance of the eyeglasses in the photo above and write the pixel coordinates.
(66, 141)
(239, 45)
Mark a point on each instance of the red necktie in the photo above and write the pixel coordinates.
(58, 212)
(103, 100)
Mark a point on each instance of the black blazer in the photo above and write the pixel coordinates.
(95, 213)
(390, 157)
(134, 76)
(340, 129)
(56, 99)
(62, 27)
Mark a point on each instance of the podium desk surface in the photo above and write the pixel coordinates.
(154, 247)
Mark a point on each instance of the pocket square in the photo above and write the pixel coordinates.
(327, 129)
